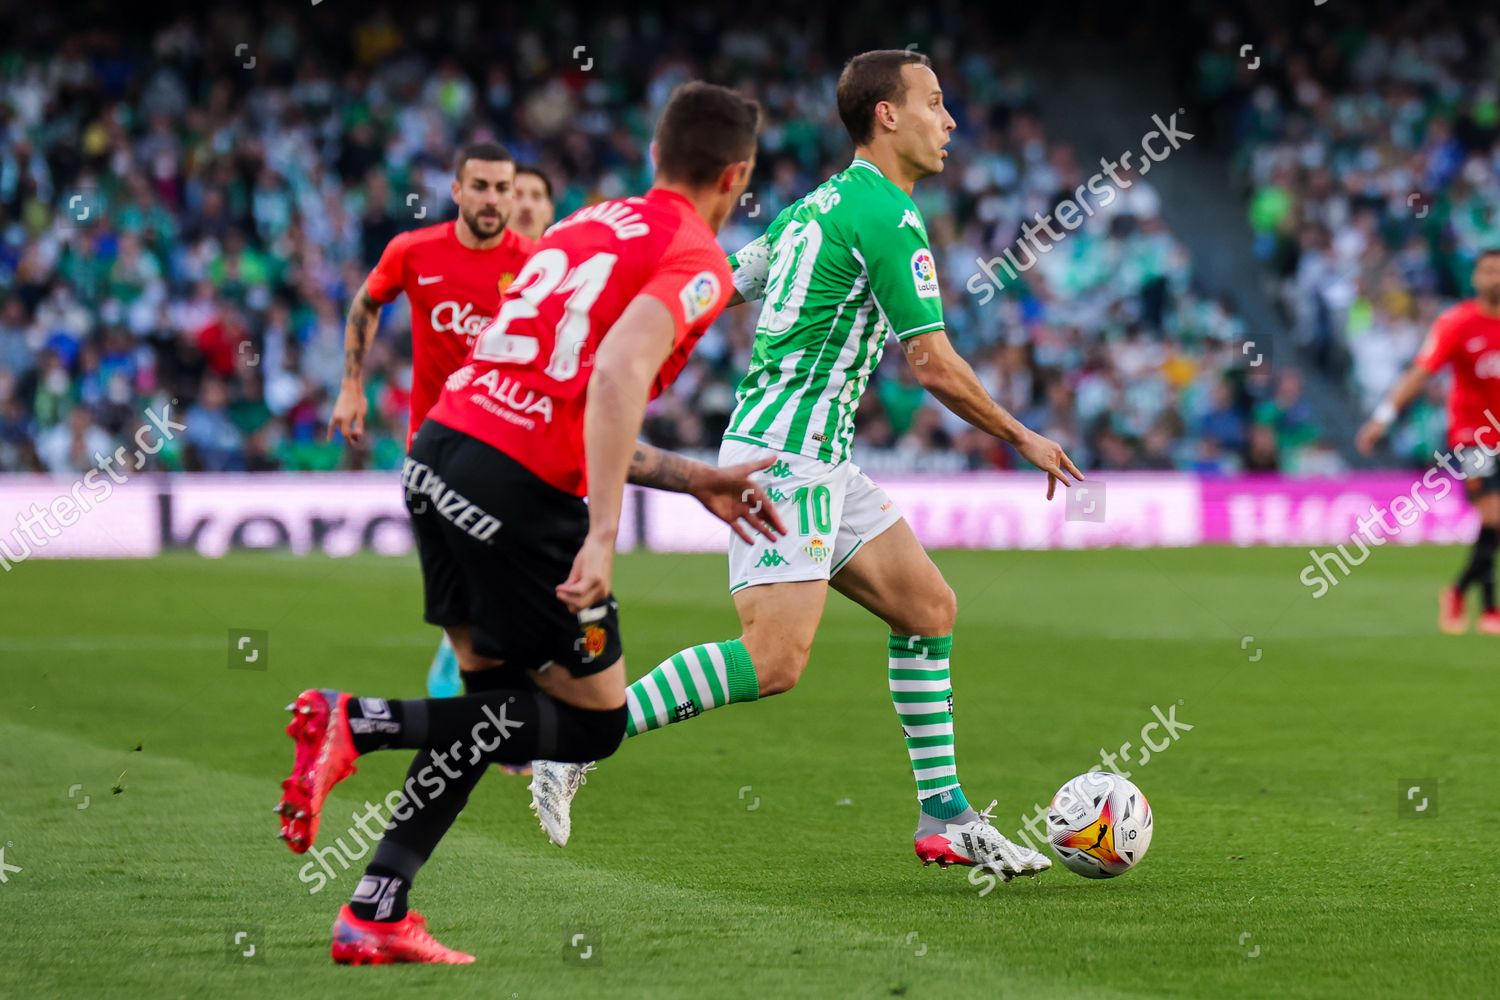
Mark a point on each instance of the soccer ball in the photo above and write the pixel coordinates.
(1099, 825)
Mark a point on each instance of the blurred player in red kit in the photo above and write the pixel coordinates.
(534, 207)
(453, 274)
(516, 565)
(1466, 338)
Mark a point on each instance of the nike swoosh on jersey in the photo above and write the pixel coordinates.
(423, 280)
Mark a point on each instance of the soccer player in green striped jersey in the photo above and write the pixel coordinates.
(836, 274)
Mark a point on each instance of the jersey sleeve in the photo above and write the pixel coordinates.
(389, 276)
(902, 271)
(694, 284)
(750, 264)
(1437, 349)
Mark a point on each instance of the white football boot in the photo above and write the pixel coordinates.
(553, 786)
(971, 839)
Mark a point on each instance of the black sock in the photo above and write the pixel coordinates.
(467, 734)
(384, 724)
(380, 895)
(1481, 566)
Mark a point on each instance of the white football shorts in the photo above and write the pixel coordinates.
(830, 512)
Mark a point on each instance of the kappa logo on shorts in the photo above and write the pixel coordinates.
(776, 495)
(770, 558)
(780, 470)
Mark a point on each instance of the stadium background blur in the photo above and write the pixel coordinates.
(187, 206)
(236, 171)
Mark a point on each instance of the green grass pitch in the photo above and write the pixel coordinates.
(764, 850)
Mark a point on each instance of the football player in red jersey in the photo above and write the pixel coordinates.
(534, 212)
(453, 274)
(535, 208)
(1467, 339)
(516, 565)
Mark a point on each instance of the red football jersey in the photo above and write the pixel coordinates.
(1468, 340)
(524, 387)
(453, 292)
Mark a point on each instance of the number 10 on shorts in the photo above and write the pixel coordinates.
(814, 509)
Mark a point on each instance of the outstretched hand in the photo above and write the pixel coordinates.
(734, 498)
(1048, 455)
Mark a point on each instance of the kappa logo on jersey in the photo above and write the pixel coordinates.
(699, 295)
(909, 218)
(458, 317)
(924, 274)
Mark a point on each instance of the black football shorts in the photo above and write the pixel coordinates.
(494, 542)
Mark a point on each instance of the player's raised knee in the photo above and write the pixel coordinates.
(932, 612)
(778, 668)
(944, 611)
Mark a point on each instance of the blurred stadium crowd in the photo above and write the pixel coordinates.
(1371, 159)
(185, 211)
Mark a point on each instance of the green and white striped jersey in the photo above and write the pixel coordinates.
(839, 270)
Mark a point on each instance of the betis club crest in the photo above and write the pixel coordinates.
(817, 550)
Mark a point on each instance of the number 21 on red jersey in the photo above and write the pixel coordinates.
(515, 335)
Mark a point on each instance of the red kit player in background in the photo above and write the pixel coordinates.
(1467, 339)
(516, 565)
(453, 274)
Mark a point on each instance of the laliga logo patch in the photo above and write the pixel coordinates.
(699, 295)
(924, 274)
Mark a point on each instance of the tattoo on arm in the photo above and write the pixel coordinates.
(661, 470)
(359, 330)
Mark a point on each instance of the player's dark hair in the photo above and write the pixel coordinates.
(530, 171)
(490, 152)
(703, 129)
(1487, 252)
(868, 79)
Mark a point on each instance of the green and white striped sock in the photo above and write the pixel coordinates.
(923, 696)
(690, 683)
